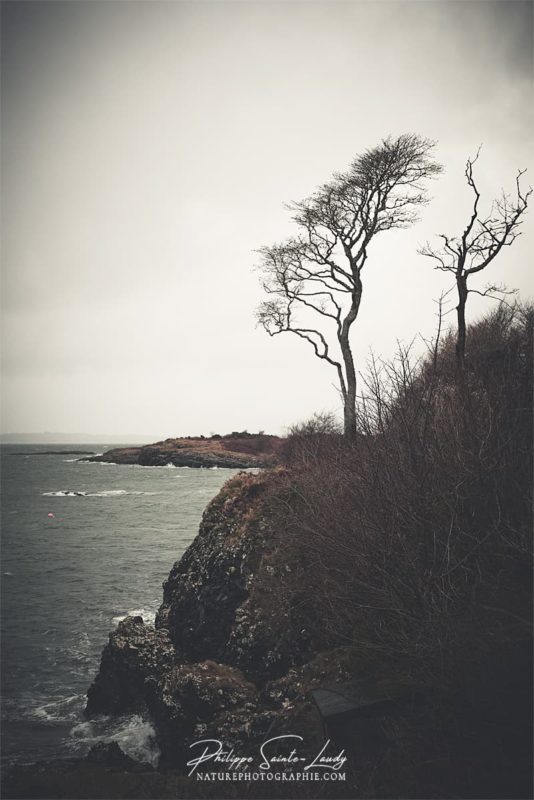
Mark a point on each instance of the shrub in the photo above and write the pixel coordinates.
(414, 541)
(412, 546)
(311, 441)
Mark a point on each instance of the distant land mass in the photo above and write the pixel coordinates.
(237, 450)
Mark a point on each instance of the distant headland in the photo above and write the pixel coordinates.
(236, 450)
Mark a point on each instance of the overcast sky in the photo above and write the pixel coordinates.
(148, 150)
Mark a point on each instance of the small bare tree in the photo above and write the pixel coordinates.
(479, 244)
(318, 272)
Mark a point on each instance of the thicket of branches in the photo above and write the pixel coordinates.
(411, 547)
(415, 541)
(408, 532)
(314, 280)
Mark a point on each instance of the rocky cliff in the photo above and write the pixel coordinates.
(224, 660)
(234, 656)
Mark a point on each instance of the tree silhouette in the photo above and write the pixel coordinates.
(480, 243)
(318, 272)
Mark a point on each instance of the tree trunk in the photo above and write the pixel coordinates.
(461, 282)
(349, 399)
(349, 396)
(349, 415)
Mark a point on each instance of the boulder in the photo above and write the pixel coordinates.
(135, 652)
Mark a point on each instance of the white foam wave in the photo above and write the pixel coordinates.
(112, 493)
(149, 617)
(153, 466)
(58, 710)
(65, 709)
(107, 493)
(64, 494)
(135, 736)
(99, 463)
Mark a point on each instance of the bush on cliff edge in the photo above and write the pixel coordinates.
(412, 545)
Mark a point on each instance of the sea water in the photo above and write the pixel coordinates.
(83, 546)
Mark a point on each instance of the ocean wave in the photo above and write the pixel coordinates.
(64, 493)
(134, 734)
(65, 709)
(99, 463)
(107, 493)
(44, 710)
(169, 465)
(153, 466)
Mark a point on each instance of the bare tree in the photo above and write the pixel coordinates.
(318, 272)
(479, 244)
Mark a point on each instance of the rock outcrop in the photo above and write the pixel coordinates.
(222, 639)
(135, 654)
(205, 599)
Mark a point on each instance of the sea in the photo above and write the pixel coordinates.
(83, 546)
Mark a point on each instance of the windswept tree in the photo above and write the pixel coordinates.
(482, 240)
(314, 279)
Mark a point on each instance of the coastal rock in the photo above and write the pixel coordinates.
(222, 634)
(209, 582)
(135, 653)
(118, 455)
(220, 600)
(196, 701)
(330, 667)
(151, 456)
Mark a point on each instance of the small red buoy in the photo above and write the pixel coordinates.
(52, 515)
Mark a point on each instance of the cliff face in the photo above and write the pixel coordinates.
(223, 660)
(236, 451)
(206, 607)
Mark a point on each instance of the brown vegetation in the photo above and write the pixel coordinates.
(413, 547)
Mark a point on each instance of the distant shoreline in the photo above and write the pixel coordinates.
(74, 439)
(56, 453)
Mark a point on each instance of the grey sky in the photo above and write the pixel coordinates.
(148, 148)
